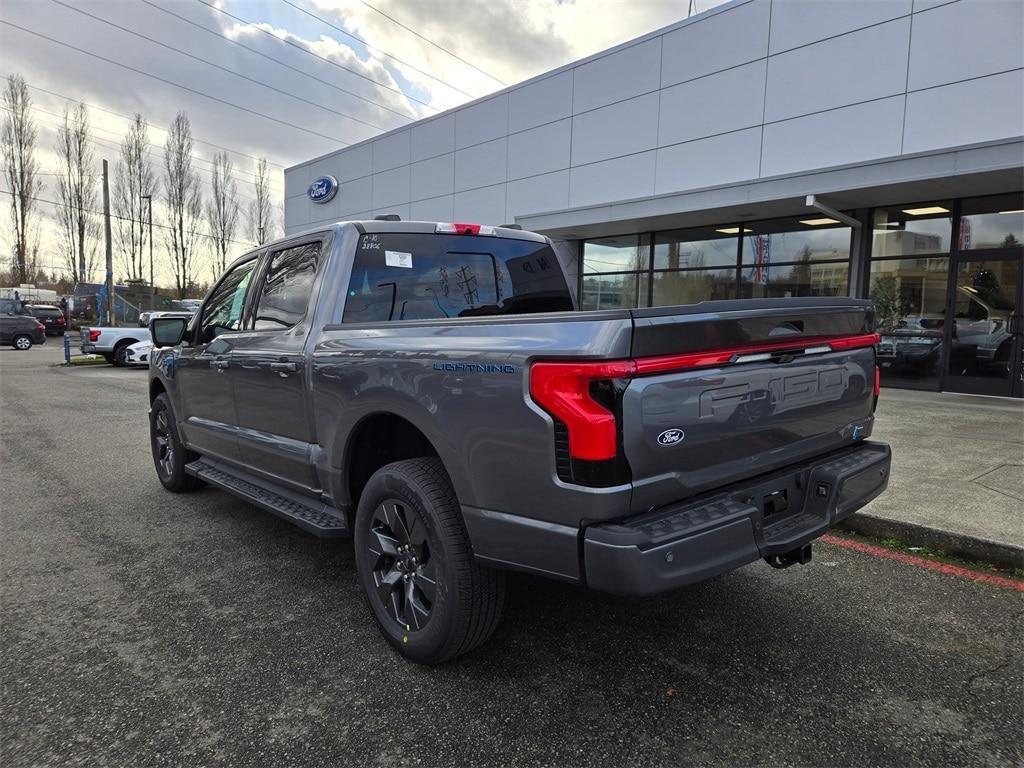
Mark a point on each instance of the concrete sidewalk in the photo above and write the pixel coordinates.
(957, 479)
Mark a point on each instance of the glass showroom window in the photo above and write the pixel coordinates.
(694, 265)
(907, 281)
(992, 222)
(615, 272)
(911, 230)
(795, 257)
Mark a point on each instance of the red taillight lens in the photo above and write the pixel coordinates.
(93, 335)
(855, 342)
(61, 320)
(878, 381)
(563, 390)
(40, 326)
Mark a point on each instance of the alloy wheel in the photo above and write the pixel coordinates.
(164, 444)
(403, 567)
(23, 342)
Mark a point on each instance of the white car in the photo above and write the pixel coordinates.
(138, 353)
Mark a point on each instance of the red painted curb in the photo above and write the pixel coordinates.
(921, 562)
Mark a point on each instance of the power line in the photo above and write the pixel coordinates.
(315, 55)
(374, 48)
(436, 45)
(130, 118)
(107, 142)
(222, 68)
(172, 83)
(328, 83)
(152, 144)
(192, 232)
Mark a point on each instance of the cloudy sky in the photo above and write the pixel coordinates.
(286, 79)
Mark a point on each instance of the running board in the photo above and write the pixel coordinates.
(318, 518)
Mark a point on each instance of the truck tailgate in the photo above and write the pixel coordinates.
(730, 390)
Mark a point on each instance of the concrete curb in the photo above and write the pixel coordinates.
(969, 547)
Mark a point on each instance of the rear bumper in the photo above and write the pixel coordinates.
(695, 540)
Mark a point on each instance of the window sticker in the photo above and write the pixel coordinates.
(398, 259)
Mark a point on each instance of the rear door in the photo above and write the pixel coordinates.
(268, 369)
(743, 389)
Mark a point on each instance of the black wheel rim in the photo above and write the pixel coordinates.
(162, 444)
(401, 564)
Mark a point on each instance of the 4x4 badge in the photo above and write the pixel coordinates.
(671, 436)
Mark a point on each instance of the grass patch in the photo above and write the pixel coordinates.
(77, 360)
(930, 553)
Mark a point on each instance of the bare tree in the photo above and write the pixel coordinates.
(133, 180)
(184, 204)
(21, 172)
(222, 211)
(260, 209)
(77, 195)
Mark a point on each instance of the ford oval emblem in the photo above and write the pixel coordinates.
(671, 436)
(323, 190)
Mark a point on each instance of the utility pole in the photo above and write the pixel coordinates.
(111, 320)
(152, 285)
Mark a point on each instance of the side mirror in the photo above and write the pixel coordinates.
(167, 331)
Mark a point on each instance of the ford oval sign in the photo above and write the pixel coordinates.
(671, 436)
(323, 190)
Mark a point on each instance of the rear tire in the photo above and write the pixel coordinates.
(430, 597)
(22, 342)
(169, 456)
(120, 356)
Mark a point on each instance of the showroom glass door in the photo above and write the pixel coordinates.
(984, 353)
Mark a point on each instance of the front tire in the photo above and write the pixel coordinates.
(22, 342)
(430, 597)
(169, 455)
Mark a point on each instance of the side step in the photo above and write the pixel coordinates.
(318, 518)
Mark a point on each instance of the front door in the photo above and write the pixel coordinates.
(983, 336)
(275, 431)
(208, 418)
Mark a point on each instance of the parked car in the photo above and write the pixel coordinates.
(51, 317)
(21, 331)
(137, 354)
(145, 317)
(428, 389)
(111, 343)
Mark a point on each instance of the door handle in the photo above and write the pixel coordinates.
(220, 365)
(284, 367)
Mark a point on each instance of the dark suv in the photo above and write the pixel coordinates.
(21, 331)
(50, 316)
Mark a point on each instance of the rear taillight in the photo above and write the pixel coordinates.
(564, 391)
(40, 326)
(878, 381)
(94, 335)
(61, 320)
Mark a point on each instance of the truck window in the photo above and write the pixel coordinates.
(223, 310)
(409, 276)
(285, 295)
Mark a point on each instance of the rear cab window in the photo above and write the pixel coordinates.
(413, 276)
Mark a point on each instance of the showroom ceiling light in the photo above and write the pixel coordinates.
(732, 230)
(818, 222)
(926, 210)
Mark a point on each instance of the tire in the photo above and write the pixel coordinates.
(22, 342)
(409, 535)
(120, 351)
(169, 456)
(108, 357)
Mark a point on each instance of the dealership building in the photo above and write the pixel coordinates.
(764, 148)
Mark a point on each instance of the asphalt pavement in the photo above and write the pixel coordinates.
(142, 628)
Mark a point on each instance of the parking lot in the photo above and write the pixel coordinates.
(143, 628)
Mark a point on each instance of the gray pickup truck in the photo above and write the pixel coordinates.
(427, 389)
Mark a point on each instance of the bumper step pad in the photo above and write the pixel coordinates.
(318, 518)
